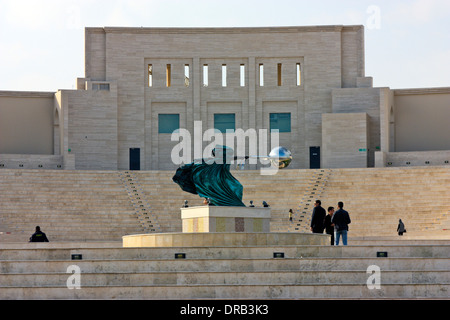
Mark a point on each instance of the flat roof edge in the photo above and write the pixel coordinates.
(412, 91)
(27, 94)
(293, 29)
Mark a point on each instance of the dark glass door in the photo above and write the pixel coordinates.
(135, 159)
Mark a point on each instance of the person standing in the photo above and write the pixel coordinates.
(341, 220)
(38, 236)
(329, 227)
(401, 227)
(290, 215)
(317, 218)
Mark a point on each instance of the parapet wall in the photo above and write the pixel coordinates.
(31, 161)
(412, 159)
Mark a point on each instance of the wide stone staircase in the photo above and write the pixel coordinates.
(67, 205)
(377, 198)
(46, 271)
(105, 205)
(85, 214)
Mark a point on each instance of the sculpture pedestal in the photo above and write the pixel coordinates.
(225, 227)
(224, 239)
(225, 219)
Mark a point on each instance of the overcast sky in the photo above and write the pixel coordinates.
(407, 42)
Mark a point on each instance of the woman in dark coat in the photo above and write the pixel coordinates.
(329, 227)
(401, 227)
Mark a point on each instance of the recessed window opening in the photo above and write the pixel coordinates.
(186, 75)
(205, 75)
(261, 75)
(100, 86)
(224, 75)
(279, 74)
(280, 122)
(150, 75)
(168, 75)
(242, 75)
(224, 122)
(299, 74)
(168, 123)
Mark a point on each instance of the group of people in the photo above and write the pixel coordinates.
(334, 223)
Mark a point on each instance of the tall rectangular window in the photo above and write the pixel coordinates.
(224, 75)
(261, 75)
(280, 121)
(299, 74)
(186, 75)
(279, 74)
(150, 75)
(168, 123)
(242, 75)
(205, 75)
(168, 75)
(224, 121)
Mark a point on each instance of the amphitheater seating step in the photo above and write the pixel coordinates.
(317, 272)
(73, 200)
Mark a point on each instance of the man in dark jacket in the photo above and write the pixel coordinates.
(341, 220)
(317, 218)
(38, 236)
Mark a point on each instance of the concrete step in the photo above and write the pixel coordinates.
(64, 235)
(227, 265)
(241, 291)
(23, 252)
(224, 278)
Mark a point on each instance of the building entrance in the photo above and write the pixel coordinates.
(314, 157)
(135, 159)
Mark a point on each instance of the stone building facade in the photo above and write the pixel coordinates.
(140, 84)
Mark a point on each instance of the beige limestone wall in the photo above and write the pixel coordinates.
(387, 121)
(414, 129)
(422, 119)
(353, 59)
(364, 100)
(95, 53)
(61, 130)
(161, 144)
(325, 55)
(92, 128)
(26, 122)
(345, 140)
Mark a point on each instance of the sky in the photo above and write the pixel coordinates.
(407, 42)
